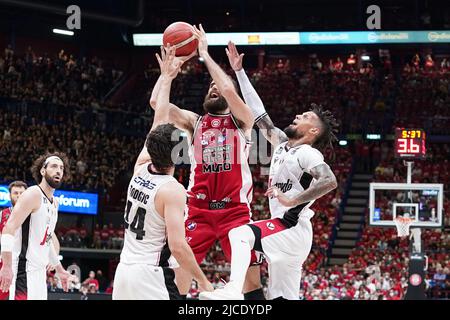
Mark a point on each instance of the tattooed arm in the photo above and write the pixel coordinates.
(273, 134)
(326, 181)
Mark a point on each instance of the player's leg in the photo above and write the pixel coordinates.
(21, 286)
(240, 242)
(200, 236)
(233, 219)
(285, 265)
(144, 282)
(284, 278)
(37, 284)
(120, 290)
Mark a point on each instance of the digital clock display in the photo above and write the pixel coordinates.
(410, 143)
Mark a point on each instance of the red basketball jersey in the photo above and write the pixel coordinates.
(220, 174)
(4, 216)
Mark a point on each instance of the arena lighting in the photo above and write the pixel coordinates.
(365, 57)
(342, 142)
(373, 136)
(64, 32)
(201, 59)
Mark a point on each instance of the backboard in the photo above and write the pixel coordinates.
(419, 201)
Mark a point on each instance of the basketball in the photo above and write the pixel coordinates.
(179, 34)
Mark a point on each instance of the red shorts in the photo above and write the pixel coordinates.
(204, 227)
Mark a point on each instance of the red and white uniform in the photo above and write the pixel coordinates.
(31, 251)
(220, 186)
(287, 237)
(4, 216)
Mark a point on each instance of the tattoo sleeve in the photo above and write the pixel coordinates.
(326, 181)
(273, 134)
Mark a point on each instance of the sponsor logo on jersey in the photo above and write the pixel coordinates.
(216, 167)
(188, 239)
(270, 226)
(415, 279)
(144, 183)
(279, 151)
(200, 196)
(217, 205)
(216, 123)
(284, 187)
(191, 226)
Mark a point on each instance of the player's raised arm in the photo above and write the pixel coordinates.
(273, 134)
(237, 106)
(182, 119)
(173, 196)
(28, 202)
(165, 112)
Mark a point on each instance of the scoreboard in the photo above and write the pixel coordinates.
(410, 143)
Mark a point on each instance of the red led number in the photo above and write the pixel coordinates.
(414, 147)
(402, 145)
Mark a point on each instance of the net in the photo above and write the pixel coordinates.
(403, 224)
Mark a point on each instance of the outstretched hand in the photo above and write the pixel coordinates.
(169, 67)
(200, 35)
(234, 57)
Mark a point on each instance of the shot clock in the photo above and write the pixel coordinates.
(410, 143)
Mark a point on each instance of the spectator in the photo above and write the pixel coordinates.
(91, 281)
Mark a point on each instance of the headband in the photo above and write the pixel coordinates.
(51, 158)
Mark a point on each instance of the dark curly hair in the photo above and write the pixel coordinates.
(329, 128)
(39, 163)
(160, 143)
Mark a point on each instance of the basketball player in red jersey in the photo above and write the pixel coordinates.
(220, 188)
(16, 188)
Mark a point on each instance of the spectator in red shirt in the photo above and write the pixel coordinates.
(351, 61)
(429, 63)
(338, 65)
(91, 281)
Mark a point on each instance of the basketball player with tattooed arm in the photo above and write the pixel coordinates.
(298, 176)
(155, 240)
(220, 187)
(36, 213)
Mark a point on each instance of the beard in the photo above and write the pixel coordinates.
(215, 106)
(51, 182)
(292, 133)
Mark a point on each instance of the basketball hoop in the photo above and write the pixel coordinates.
(403, 224)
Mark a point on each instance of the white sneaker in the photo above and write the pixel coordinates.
(227, 292)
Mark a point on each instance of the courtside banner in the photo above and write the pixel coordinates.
(69, 201)
(305, 38)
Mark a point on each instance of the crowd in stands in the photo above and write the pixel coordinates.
(60, 79)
